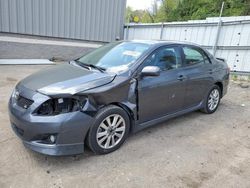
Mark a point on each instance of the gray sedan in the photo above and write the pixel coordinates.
(118, 89)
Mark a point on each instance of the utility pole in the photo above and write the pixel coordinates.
(218, 30)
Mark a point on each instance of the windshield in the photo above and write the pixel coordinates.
(115, 57)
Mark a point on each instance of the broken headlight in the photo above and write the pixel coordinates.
(58, 106)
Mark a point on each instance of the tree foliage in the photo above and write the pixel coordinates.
(183, 10)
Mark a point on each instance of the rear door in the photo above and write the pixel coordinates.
(199, 72)
(163, 94)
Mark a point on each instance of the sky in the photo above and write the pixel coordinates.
(140, 4)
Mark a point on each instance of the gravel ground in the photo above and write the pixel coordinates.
(195, 150)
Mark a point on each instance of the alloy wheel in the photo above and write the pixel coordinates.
(213, 99)
(110, 131)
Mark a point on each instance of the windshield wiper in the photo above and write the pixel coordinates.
(81, 64)
(86, 65)
(101, 69)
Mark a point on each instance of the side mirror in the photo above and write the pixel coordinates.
(150, 71)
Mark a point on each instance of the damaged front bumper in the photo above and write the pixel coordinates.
(68, 129)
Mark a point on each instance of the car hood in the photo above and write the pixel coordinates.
(66, 79)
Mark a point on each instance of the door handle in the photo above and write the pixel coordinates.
(181, 77)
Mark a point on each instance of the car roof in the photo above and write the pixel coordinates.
(163, 42)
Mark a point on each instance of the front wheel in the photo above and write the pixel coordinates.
(109, 131)
(213, 100)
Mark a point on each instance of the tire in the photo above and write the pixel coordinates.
(208, 108)
(103, 137)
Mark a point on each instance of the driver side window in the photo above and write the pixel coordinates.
(166, 58)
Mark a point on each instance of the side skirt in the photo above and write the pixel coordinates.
(137, 127)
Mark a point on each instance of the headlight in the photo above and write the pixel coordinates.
(58, 106)
(15, 94)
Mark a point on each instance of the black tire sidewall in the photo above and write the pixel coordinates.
(207, 110)
(100, 116)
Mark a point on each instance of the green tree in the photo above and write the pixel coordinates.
(129, 14)
(201, 9)
(147, 17)
(182, 10)
(166, 10)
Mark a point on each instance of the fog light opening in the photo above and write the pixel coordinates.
(52, 139)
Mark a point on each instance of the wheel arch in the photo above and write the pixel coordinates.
(128, 111)
(220, 85)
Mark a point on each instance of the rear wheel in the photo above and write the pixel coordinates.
(213, 100)
(109, 131)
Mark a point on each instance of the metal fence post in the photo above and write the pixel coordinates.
(126, 34)
(218, 30)
(217, 37)
(162, 27)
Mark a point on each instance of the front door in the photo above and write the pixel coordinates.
(164, 94)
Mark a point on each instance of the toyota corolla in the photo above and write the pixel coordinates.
(118, 89)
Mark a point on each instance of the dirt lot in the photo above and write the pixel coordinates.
(195, 150)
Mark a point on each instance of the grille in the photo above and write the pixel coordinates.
(24, 102)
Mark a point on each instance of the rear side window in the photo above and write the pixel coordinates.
(166, 58)
(194, 56)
